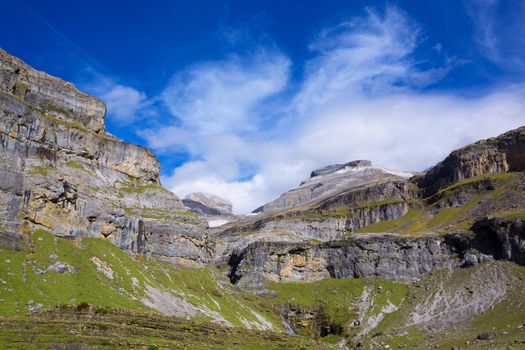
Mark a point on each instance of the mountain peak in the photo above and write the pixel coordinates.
(207, 204)
(329, 169)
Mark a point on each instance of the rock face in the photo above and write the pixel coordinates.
(60, 170)
(504, 239)
(332, 180)
(329, 218)
(495, 155)
(218, 211)
(361, 256)
(384, 255)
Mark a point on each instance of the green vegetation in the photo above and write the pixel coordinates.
(66, 123)
(25, 281)
(434, 215)
(87, 306)
(84, 326)
(74, 165)
(136, 187)
(338, 299)
(41, 169)
(379, 203)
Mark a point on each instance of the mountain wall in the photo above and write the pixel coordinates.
(495, 155)
(377, 255)
(61, 171)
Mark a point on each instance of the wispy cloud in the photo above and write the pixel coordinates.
(222, 96)
(125, 104)
(361, 96)
(501, 40)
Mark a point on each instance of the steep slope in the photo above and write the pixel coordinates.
(60, 171)
(330, 181)
(495, 155)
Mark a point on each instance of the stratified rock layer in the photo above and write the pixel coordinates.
(384, 255)
(60, 171)
(207, 205)
(495, 155)
(330, 181)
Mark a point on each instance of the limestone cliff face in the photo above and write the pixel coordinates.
(61, 171)
(495, 155)
(385, 255)
(382, 255)
(332, 218)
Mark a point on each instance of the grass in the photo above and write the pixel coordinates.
(132, 188)
(75, 165)
(131, 276)
(86, 327)
(426, 216)
(41, 169)
(337, 298)
(67, 123)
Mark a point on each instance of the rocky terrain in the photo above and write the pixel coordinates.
(333, 181)
(95, 253)
(218, 211)
(61, 171)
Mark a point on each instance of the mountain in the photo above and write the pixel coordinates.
(207, 205)
(218, 211)
(333, 181)
(62, 172)
(95, 253)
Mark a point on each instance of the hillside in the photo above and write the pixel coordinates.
(95, 253)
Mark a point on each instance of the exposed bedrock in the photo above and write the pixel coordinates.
(331, 181)
(60, 171)
(303, 226)
(383, 255)
(495, 155)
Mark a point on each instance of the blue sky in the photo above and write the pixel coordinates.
(242, 99)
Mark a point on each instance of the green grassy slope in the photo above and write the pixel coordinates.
(25, 281)
(495, 194)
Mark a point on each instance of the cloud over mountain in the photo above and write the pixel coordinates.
(251, 132)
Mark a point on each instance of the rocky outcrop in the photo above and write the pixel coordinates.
(334, 218)
(495, 155)
(502, 238)
(331, 181)
(61, 171)
(384, 255)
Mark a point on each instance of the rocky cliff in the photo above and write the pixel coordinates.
(61, 171)
(495, 155)
(358, 255)
(381, 255)
(208, 205)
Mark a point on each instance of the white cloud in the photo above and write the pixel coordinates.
(221, 96)
(125, 104)
(361, 98)
(501, 39)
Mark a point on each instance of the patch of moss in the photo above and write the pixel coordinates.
(75, 165)
(142, 188)
(41, 169)
(67, 123)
